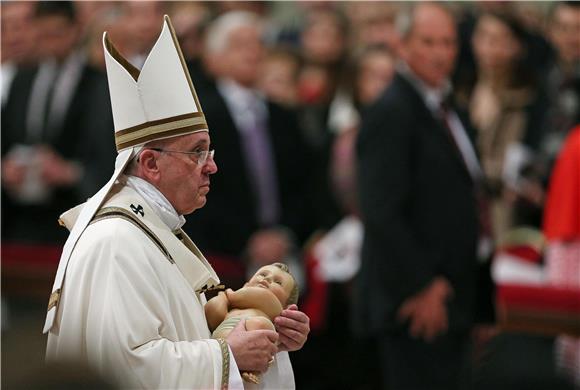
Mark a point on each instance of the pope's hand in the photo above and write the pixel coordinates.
(252, 349)
(293, 327)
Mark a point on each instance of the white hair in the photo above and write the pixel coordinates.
(405, 18)
(219, 31)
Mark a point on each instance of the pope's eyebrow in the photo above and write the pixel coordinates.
(202, 142)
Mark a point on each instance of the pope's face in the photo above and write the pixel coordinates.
(183, 180)
(274, 279)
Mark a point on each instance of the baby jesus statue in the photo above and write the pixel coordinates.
(271, 289)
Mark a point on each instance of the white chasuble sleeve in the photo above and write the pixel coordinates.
(127, 310)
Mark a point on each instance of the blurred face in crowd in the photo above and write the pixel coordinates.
(376, 70)
(57, 36)
(494, 45)
(278, 79)
(187, 18)
(374, 23)
(183, 181)
(142, 20)
(243, 54)
(116, 31)
(430, 47)
(565, 32)
(18, 31)
(323, 40)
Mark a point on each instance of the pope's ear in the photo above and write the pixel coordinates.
(148, 162)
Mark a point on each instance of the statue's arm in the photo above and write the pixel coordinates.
(255, 298)
(216, 310)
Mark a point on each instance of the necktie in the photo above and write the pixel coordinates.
(444, 111)
(46, 117)
(39, 105)
(258, 154)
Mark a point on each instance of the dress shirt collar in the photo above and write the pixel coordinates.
(157, 201)
(244, 103)
(433, 97)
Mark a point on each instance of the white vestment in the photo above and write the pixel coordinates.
(131, 306)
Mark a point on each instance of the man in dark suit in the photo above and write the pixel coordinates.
(258, 210)
(42, 131)
(417, 169)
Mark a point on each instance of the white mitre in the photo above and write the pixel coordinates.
(155, 103)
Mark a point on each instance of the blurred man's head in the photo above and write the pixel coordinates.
(18, 31)
(235, 46)
(429, 42)
(58, 31)
(565, 31)
(142, 24)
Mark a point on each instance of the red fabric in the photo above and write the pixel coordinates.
(523, 252)
(543, 298)
(562, 212)
(314, 304)
(17, 254)
(230, 269)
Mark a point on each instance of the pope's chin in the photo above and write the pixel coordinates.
(198, 203)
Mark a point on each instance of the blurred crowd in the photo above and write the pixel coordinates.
(308, 71)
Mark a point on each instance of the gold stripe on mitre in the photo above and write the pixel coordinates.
(159, 129)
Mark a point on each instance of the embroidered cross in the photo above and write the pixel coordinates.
(138, 209)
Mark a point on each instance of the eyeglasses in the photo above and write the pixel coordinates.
(201, 157)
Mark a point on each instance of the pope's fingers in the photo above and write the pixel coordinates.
(293, 341)
(295, 335)
(288, 344)
(271, 335)
(299, 322)
(295, 314)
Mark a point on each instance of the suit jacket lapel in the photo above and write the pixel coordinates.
(433, 122)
